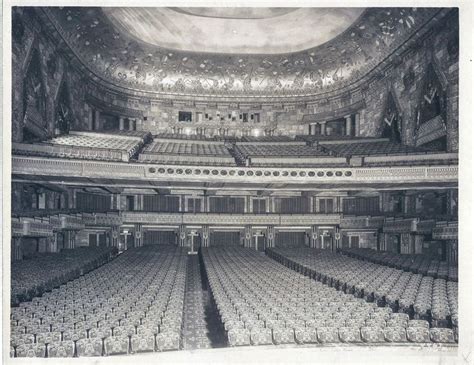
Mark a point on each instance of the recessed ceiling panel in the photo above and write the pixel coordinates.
(234, 30)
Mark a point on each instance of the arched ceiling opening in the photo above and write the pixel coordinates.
(234, 30)
(122, 46)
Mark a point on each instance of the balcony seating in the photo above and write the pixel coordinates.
(86, 145)
(34, 276)
(353, 148)
(210, 153)
(415, 263)
(281, 154)
(422, 297)
(114, 310)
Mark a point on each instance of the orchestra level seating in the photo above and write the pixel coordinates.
(132, 304)
(30, 278)
(421, 297)
(262, 303)
(409, 262)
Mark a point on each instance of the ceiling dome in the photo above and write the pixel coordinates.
(233, 30)
(176, 51)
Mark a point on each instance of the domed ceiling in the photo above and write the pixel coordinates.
(235, 51)
(233, 30)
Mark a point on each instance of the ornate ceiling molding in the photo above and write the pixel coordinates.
(338, 64)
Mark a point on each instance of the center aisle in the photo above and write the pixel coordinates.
(202, 328)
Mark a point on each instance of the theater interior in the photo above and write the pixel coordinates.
(232, 180)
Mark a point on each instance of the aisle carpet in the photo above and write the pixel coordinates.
(202, 327)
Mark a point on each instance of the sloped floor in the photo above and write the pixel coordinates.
(202, 327)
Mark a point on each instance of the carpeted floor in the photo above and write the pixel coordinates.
(202, 327)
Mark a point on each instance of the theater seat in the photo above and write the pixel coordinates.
(348, 334)
(116, 345)
(167, 341)
(283, 335)
(31, 350)
(143, 343)
(306, 335)
(238, 337)
(418, 334)
(327, 334)
(372, 334)
(261, 336)
(89, 347)
(442, 335)
(61, 349)
(395, 334)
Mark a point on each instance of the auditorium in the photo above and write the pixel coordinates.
(233, 181)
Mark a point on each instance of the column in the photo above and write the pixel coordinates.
(138, 235)
(115, 236)
(121, 123)
(419, 243)
(248, 236)
(323, 128)
(205, 236)
(131, 122)
(91, 116)
(270, 236)
(182, 236)
(17, 253)
(314, 237)
(348, 124)
(357, 124)
(97, 120)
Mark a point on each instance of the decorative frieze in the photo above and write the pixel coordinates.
(108, 170)
(445, 231)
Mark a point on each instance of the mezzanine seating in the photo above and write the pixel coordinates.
(132, 304)
(210, 153)
(422, 297)
(415, 263)
(32, 277)
(353, 148)
(261, 303)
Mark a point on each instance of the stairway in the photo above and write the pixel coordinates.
(202, 327)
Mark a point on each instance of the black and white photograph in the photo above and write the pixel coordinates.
(237, 182)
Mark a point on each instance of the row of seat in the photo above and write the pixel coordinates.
(132, 304)
(368, 148)
(415, 263)
(422, 297)
(262, 302)
(186, 148)
(102, 141)
(254, 150)
(33, 277)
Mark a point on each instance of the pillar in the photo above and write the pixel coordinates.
(138, 235)
(248, 236)
(97, 120)
(323, 128)
(270, 236)
(91, 117)
(419, 243)
(121, 123)
(314, 237)
(115, 236)
(205, 236)
(182, 236)
(17, 253)
(348, 124)
(357, 124)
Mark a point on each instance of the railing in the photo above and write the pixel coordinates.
(101, 219)
(445, 231)
(399, 225)
(358, 222)
(262, 175)
(231, 219)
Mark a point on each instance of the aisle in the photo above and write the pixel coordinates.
(202, 328)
